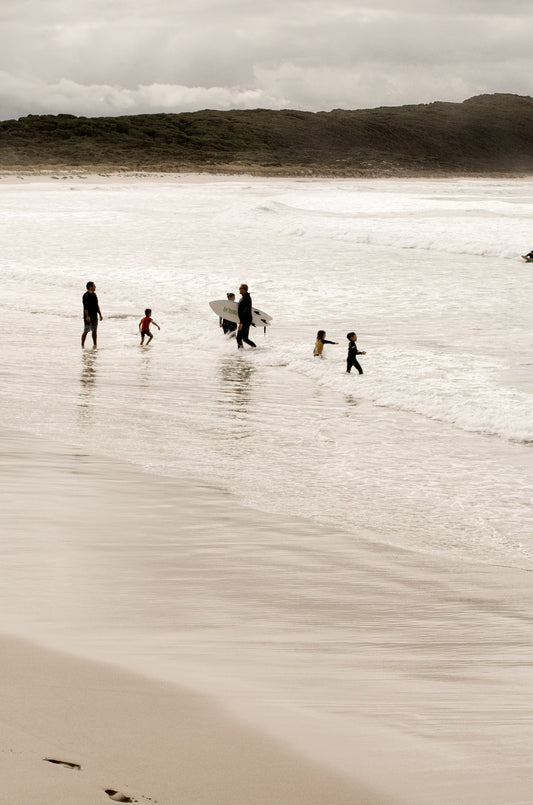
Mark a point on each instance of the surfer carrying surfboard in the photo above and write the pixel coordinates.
(245, 317)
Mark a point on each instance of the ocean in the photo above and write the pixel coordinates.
(425, 455)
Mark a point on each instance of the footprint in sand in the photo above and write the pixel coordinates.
(64, 763)
(116, 796)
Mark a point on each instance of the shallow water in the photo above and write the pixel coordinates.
(429, 449)
(258, 524)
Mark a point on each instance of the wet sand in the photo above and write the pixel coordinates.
(67, 175)
(437, 669)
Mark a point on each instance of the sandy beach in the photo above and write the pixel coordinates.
(450, 691)
(245, 576)
(75, 731)
(105, 176)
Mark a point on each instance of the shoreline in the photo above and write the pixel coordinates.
(228, 173)
(431, 667)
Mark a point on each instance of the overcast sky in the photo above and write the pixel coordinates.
(113, 57)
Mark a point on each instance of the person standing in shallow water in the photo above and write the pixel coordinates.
(144, 326)
(245, 317)
(319, 343)
(353, 352)
(91, 312)
(227, 325)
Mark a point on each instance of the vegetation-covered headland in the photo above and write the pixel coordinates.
(485, 135)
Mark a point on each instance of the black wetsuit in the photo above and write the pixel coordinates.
(245, 318)
(228, 326)
(352, 358)
(90, 304)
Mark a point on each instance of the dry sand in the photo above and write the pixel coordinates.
(72, 730)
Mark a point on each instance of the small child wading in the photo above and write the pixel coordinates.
(319, 343)
(144, 326)
(353, 352)
(228, 326)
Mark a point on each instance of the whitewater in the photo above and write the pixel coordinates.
(257, 523)
(430, 448)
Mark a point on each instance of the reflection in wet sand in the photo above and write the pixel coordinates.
(145, 369)
(87, 383)
(236, 384)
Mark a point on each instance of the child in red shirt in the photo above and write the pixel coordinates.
(144, 326)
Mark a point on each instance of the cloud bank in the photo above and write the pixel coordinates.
(127, 57)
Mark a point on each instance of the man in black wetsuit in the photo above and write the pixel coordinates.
(91, 311)
(245, 317)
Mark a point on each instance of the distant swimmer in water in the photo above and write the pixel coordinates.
(144, 326)
(319, 343)
(91, 311)
(353, 352)
(245, 317)
(227, 325)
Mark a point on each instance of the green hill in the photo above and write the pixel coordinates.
(485, 135)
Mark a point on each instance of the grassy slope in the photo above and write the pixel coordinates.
(484, 135)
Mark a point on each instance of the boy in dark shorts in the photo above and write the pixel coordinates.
(91, 311)
(353, 352)
(144, 326)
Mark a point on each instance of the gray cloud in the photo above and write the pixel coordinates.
(125, 56)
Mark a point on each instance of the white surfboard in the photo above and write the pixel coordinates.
(228, 310)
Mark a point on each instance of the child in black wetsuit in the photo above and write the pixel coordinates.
(227, 325)
(352, 354)
(319, 343)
